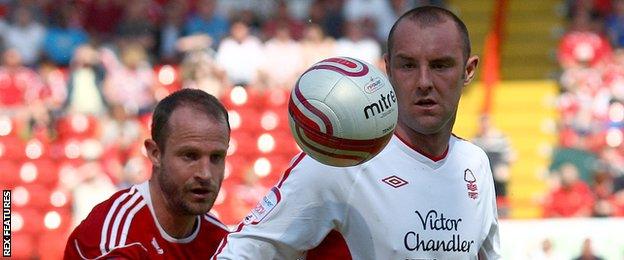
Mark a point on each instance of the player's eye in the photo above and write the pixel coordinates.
(217, 158)
(408, 65)
(440, 66)
(190, 156)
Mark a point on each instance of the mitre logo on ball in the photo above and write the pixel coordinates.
(342, 111)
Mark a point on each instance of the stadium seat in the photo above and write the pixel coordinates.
(37, 149)
(273, 119)
(249, 119)
(277, 164)
(10, 173)
(77, 126)
(47, 172)
(285, 143)
(31, 221)
(239, 97)
(238, 165)
(8, 126)
(22, 245)
(243, 143)
(12, 148)
(276, 98)
(39, 196)
(52, 244)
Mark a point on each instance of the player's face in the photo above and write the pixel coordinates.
(428, 70)
(190, 170)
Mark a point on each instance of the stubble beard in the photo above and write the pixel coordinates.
(174, 197)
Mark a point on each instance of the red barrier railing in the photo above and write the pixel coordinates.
(492, 54)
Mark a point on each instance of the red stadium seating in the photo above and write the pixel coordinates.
(10, 173)
(238, 166)
(12, 148)
(238, 97)
(32, 221)
(278, 164)
(39, 196)
(52, 245)
(285, 143)
(77, 127)
(47, 172)
(243, 143)
(249, 119)
(22, 245)
(276, 98)
(274, 119)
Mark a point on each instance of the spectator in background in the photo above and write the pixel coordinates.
(240, 55)
(63, 37)
(501, 155)
(101, 18)
(206, 20)
(85, 86)
(135, 26)
(571, 197)
(284, 60)
(20, 86)
(357, 45)
(587, 252)
(583, 43)
(280, 19)
(25, 35)
(130, 81)
(545, 252)
(171, 30)
(329, 15)
(376, 16)
(316, 46)
(89, 186)
(199, 68)
(615, 24)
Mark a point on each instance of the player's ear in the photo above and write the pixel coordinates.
(471, 69)
(153, 152)
(386, 59)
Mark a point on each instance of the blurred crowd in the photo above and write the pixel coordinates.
(588, 165)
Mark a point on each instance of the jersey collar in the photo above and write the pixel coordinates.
(143, 188)
(416, 153)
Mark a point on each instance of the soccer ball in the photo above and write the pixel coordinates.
(342, 111)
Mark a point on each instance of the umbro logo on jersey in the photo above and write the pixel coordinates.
(394, 181)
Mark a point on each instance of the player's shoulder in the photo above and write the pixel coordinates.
(211, 221)
(307, 171)
(465, 147)
(100, 211)
(92, 237)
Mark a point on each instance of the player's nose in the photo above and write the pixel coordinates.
(205, 172)
(424, 80)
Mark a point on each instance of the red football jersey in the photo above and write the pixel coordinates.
(124, 226)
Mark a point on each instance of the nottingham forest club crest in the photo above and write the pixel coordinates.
(471, 184)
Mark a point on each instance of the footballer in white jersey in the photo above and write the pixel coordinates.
(399, 205)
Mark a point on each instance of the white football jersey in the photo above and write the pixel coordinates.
(399, 205)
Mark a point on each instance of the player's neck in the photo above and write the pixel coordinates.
(430, 145)
(176, 225)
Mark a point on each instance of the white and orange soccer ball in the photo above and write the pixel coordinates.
(342, 111)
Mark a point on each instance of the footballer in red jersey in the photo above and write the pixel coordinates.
(166, 217)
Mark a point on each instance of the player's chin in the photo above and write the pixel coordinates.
(200, 204)
(199, 208)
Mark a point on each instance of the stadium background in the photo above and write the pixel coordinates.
(78, 79)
